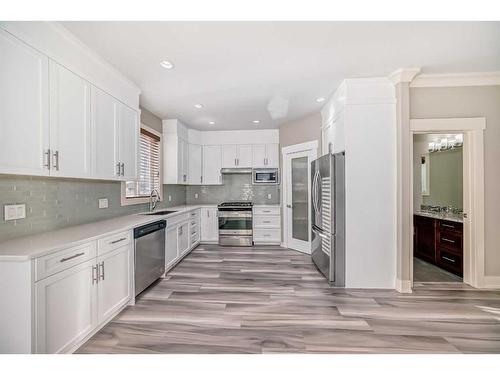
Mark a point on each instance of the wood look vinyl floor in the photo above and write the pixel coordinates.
(273, 300)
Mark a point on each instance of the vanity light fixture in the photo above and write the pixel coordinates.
(167, 64)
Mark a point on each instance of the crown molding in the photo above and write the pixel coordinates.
(457, 79)
(403, 75)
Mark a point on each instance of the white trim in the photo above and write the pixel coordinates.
(448, 124)
(300, 147)
(473, 129)
(457, 79)
(491, 282)
(403, 75)
(133, 201)
(403, 286)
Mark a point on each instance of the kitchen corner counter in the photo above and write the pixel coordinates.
(37, 245)
(438, 216)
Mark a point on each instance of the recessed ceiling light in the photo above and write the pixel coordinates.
(211, 122)
(320, 99)
(167, 64)
(255, 121)
(198, 106)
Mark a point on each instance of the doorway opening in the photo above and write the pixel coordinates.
(438, 202)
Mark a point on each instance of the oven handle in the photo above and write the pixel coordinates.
(234, 214)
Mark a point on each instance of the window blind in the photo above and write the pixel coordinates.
(149, 167)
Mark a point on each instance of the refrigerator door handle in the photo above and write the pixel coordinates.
(316, 195)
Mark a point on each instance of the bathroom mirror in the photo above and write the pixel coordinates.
(425, 174)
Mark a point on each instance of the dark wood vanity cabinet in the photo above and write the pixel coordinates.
(439, 242)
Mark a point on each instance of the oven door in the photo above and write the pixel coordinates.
(235, 223)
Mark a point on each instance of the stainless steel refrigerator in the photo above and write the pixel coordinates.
(328, 217)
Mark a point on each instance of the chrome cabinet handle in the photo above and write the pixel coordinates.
(46, 155)
(56, 160)
(101, 267)
(116, 241)
(447, 240)
(123, 169)
(448, 226)
(235, 162)
(95, 275)
(118, 169)
(448, 259)
(266, 221)
(201, 179)
(71, 257)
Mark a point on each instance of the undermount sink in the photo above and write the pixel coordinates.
(164, 212)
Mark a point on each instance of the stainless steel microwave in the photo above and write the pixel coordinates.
(265, 176)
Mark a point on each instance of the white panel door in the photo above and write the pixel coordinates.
(259, 156)
(65, 308)
(229, 156)
(128, 141)
(212, 161)
(171, 246)
(70, 142)
(104, 110)
(114, 286)
(245, 156)
(194, 164)
(272, 155)
(24, 108)
(209, 224)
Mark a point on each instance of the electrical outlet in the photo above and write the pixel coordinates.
(269, 196)
(14, 211)
(195, 195)
(103, 203)
(170, 198)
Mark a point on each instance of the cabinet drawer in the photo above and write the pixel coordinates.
(267, 235)
(266, 210)
(452, 226)
(450, 261)
(267, 221)
(64, 259)
(194, 214)
(450, 240)
(177, 219)
(107, 244)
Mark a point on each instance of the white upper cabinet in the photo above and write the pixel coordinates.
(236, 156)
(175, 153)
(212, 163)
(70, 142)
(105, 163)
(24, 108)
(266, 156)
(245, 156)
(195, 164)
(128, 141)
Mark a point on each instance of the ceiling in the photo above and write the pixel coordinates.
(234, 69)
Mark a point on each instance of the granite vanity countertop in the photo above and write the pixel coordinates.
(37, 245)
(435, 215)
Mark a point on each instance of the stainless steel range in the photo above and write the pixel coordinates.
(235, 224)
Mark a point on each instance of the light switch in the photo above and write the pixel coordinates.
(195, 195)
(170, 198)
(269, 196)
(103, 203)
(14, 211)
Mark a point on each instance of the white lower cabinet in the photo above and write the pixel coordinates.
(71, 304)
(209, 224)
(183, 236)
(266, 225)
(171, 253)
(65, 308)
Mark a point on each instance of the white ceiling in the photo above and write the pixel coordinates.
(235, 68)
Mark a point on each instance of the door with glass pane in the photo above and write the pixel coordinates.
(297, 191)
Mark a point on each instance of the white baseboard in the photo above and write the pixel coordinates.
(403, 286)
(491, 282)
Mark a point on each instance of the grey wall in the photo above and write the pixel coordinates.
(235, 187)
(302, 130)
(149, 119)
(53, 203)
(472, 102)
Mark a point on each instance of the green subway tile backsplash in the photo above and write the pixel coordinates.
(53, 203)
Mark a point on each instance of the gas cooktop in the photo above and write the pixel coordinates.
(236, 204)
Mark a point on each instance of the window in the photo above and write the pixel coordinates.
(149, 178)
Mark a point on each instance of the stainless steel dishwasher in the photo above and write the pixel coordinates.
(149, 254)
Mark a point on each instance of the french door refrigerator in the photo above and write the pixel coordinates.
(328, 217)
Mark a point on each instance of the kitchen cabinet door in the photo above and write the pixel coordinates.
(259, 156)
(104, 110)
(70, 142)
(24, 108)
(114, 288)
(128, 141)
(209, 224)
(182, 162)
(212, 161)
(183, 237)
(65, 308)
(171, 246)
(272, 155)
(245, 156)
(194, 164)
(229, 156)
(424, 238)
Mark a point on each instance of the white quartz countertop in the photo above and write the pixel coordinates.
(34, 246)
(435, 215)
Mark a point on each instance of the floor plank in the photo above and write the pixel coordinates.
(269, 299)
